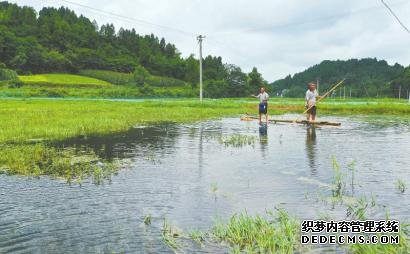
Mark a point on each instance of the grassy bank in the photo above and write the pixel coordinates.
(50, 120)
(24, 122)
(346, 108)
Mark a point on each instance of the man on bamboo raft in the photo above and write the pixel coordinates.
(263, 104)
(310, 101)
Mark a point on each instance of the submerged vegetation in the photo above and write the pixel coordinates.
(39, 159)
(237, 140)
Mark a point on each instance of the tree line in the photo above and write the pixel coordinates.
(367, 77)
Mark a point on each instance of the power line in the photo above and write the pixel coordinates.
(299, 23)
(139, 21)
(394, 15)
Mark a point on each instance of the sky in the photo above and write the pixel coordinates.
(277, 37)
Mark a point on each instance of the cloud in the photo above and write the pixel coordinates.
(278, 37)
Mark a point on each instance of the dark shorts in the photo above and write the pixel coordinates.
(263, 108)
(312, 110)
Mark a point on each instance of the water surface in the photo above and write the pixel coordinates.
(169, 172)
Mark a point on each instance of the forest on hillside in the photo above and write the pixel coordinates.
(367, 77)
(58, 40)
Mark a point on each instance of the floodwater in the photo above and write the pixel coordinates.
(184, 174)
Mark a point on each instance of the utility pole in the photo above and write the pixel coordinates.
(350, 92)
(408, 92)
(399, 92)
(344, 93)
(317, 85)
(200, 38)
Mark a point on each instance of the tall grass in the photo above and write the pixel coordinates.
(276, 233)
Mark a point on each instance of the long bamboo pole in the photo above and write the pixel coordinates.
(322, 97)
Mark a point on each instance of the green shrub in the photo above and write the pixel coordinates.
(7, 74)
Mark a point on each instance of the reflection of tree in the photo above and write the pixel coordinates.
(263, 139)
(136, 141)
(311, 148)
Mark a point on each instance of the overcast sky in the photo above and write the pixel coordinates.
(278, 37)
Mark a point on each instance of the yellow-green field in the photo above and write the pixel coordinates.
(62, 79)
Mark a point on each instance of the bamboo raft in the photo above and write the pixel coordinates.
(251, 118)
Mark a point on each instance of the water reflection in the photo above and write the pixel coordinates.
(263, 139)
(311, 148)
(149, 141)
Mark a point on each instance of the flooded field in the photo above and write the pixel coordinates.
(192, 174)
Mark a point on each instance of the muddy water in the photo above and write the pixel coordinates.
(182, 173)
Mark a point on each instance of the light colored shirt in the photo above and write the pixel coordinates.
(263, 97)
(311, 98)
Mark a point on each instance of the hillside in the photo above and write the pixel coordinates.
(364, 77)
(57, 40)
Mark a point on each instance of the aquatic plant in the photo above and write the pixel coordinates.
(237, 140)
(40, 159)
(214, 187)
(401, 186)
(352, 167)
(276, 233)
(169, 235)
(401, 248)
(147, 219)
(338, 183)
(198, 236)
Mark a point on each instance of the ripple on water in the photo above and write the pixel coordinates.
(182, 173)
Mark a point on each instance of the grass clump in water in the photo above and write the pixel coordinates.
(39, 159)
(401, 186)
(238, 140)
(198, 236)
(147, 219)
(400, 248)
(169, 235)
(277, 233)
(338, 183)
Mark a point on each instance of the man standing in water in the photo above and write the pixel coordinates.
(263, 104)
(310, 101)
